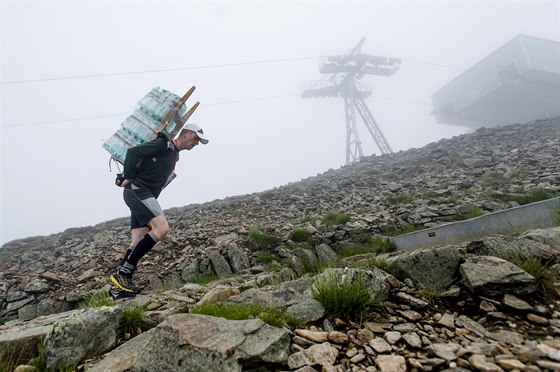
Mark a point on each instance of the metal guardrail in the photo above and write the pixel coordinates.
(537, 215)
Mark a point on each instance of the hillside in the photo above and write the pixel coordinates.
(237, 238)
(488, 170)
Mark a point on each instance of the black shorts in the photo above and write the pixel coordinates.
(143, 205)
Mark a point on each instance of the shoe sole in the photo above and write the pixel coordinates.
(121, 295)
(116, 282)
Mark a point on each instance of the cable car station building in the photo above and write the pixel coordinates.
(519, 82)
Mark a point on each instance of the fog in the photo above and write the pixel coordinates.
(72, 72)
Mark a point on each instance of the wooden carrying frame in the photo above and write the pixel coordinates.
(174, 115)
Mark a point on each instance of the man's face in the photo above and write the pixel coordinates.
(191, 140)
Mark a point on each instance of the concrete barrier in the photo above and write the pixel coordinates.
(519, 219)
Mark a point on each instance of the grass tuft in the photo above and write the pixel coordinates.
(167, 285)
(377, 262)
(343, 296)
(399, 199)
(96, 299)
(476, 212)
(379, 244)
(40, 362)
(301, 236)
(261, 239)
(544, 277)
(319, 267)
(430, 295)
(265, 257)
(133, 319)
(335, 218)
(272, 316)
(203, 279)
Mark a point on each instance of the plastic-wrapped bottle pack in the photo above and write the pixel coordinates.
(143, 123)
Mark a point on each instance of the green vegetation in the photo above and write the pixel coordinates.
(344, 296)
(167, 285)
(449, 200)
(557, 216)
(377, 262)
(290, 245)
(378, 244)
(40, 362)
(301, 236)
(520, 196)
(544, 277)
(96, 299)
(384, 245)
(371, 261)
(261, 239)
(265, 257)
(494, 179)
(133, 319)
(319, 267)
(476, 212)
(8, 360)
(399, 199)
(354, 250)
(532, 196)
(203, 279)
(469, 191)
(405, 230)
(274, 266)
(430, 295)
(429, 194)
(334, 218)
(271, 316)
(306, 219)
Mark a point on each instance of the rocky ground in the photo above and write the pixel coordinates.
(468, 326)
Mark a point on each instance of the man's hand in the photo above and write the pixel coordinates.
(121, 181)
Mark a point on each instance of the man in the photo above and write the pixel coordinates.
(148, 168)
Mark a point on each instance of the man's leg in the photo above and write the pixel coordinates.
(159, 229)
(144, 212)
(137, 235)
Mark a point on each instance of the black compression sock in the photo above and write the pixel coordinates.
(127, 254)
(142, 248)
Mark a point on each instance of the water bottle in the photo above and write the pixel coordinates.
(116, 148)
(139, 125)
(128, 137)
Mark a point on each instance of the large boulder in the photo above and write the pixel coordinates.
(221, 266)
(238, 259)
(434, 268)
(187, 342)
(279, 298)
(20, 342)
(84, 334)
(549, 236)
(307, 310)
(493, 277)
(124, 357)
(506, 246)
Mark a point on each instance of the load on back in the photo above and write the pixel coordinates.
(158, 111)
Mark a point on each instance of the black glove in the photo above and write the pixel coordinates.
(119, 180)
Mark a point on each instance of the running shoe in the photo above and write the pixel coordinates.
(118, 293)
(125, 283)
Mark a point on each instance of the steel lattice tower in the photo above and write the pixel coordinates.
(345, 71)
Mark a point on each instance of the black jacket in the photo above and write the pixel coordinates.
(151, 163)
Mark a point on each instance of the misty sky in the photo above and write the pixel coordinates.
(248, 61)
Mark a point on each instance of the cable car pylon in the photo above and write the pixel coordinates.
(344, 72)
